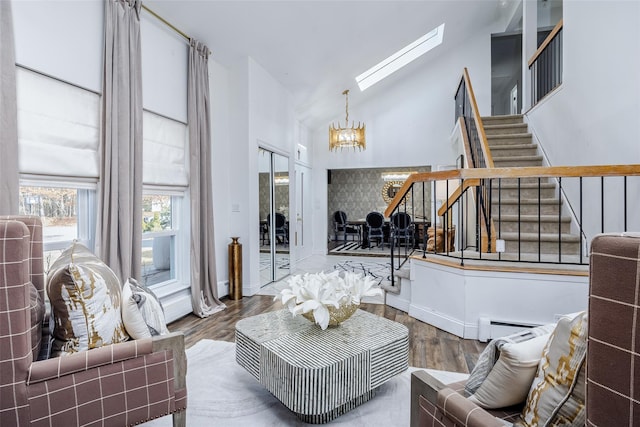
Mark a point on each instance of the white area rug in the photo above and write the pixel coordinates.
(222, 393)
(379, 271)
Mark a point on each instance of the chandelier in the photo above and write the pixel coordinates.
(347, 137)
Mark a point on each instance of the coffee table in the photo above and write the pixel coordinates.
(320, 375)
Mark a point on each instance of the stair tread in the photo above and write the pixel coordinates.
(509, 136)
(506, 116)
(510, 201)
(505, 158)
(544, 237)
(504, 125)
(514, 146)
(523, 185)
(533, 218)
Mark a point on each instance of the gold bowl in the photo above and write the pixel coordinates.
(336, 315)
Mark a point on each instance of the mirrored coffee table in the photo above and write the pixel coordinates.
(320, 375)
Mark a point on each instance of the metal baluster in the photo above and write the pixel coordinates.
(580, 220)
(560, 220)
(602, 204)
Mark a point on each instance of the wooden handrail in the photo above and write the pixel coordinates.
(546, 42)
(479, 125)
(460, 189)
(515, 172)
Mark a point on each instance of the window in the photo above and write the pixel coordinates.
(67, 214)
(160, 219)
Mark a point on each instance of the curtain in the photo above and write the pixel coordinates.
(119, 227)
(9, 184)
(204, 293)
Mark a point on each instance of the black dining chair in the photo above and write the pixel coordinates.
(375, 228)
(402, 228)
(280, 227)
(342, 226)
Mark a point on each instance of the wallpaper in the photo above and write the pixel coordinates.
(359, 191)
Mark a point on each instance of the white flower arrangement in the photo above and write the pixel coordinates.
(321, 292)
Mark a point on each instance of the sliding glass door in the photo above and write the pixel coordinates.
(273, 189)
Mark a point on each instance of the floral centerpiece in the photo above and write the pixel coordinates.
(328, 297)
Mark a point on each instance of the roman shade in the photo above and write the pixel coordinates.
(58, 127)
(164, 151)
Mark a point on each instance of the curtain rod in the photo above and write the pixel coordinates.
(168, 24)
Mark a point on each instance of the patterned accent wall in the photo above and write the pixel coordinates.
(359, 191)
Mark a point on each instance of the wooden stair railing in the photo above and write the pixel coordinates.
(473, 176)
(546, 69)
(478, 152)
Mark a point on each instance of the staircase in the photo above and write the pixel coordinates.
(511, 145)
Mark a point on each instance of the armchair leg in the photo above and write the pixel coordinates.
(180, 419)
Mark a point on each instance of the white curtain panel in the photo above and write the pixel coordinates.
(58, 127)
(119, 226)
(165, 145)
(9, 184)
(204, 293)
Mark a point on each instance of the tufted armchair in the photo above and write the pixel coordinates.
(116, 385)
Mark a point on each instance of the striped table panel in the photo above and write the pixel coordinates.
(318, 374)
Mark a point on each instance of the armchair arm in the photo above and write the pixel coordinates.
(464, 412)
(174, 342)
(60, 366)
(431, 399)
(423, 384)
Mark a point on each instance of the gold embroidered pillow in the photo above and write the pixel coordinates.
(556, 396)
(85, 298)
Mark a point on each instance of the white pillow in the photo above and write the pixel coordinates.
(131, 316)
(509, 381)
(142, 313)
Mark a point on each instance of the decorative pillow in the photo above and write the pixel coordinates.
(510, 379)
(142, 312)
(85, 302)
(491, 353)
(556, 396)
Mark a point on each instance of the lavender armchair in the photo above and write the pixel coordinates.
(116, 385)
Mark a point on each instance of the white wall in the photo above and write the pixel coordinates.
(409, 121)
(455, 299)
(597, 109)
(592, 118)
(261, 114)
(219, 86)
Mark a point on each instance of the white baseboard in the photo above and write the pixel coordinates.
(449, 324)
(223, 288)
(396, 301)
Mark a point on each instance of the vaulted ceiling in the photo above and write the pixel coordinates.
(315, 49)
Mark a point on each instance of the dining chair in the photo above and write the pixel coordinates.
(402, 228)
(281, 230)
(342, 226)
(375, 228)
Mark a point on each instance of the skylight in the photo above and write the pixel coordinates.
(401, 58)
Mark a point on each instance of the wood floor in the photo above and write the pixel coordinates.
(429, 347)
